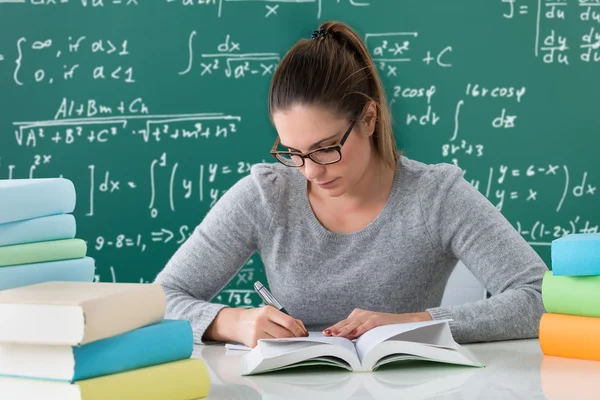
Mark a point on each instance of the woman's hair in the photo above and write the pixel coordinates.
(336, 71)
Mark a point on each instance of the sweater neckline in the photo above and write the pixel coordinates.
(316, 226)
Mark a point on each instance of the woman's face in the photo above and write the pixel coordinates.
(305, 128)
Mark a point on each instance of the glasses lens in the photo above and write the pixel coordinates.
(326, 156)
(290, 160)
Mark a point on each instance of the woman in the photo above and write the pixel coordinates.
(352, 233)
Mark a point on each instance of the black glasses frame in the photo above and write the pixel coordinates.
(337, 147)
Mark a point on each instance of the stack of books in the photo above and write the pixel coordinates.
(570, 327)
(37, 234)
(94, 340)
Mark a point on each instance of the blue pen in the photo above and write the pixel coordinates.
(267, 297)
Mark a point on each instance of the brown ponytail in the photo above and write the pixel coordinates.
(335, 71)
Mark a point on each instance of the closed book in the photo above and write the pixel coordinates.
(570, 336)
(573, 295)
(31, 198)
(166, 341)
(77, 270)
(42, 252)
(75, 313)
(177, 380)
(42, 229)
(577, 254)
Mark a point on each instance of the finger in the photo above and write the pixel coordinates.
(349, 328)
(259, 335)
(335, 329)
(285, 321)
(303, 327)
(366, 326)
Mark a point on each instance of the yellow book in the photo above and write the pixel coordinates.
(186, 379)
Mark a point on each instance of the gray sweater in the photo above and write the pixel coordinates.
(399, 263)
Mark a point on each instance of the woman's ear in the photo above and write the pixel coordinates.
(370, 118)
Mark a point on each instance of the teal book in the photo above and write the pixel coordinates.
(42, 229)
(31, 198)
(77, 270)
(159, 343)
(577, 254)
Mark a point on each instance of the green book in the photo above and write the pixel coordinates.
(573, 295)
(52, 250)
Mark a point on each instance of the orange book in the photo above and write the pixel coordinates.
(570, 336)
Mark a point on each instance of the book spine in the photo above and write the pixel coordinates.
(42, 252)
(155, 344)
(570, 336)
(576, 258)
(33, 198)
(178, 380)
(77, 270)
(54, 227)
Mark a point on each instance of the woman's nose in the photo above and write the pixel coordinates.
(312, 169)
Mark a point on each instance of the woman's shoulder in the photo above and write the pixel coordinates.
(429, 175)
(266, 183)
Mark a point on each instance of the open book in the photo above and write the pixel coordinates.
(428, 340)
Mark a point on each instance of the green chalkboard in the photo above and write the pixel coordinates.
(155, 108)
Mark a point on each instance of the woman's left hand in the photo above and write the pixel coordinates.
(360, 321)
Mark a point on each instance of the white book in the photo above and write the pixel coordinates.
(75, 313)
(428, 340)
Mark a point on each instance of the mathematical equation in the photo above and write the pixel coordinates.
(429, 117)
(393, 48)
(46, 60)
(206, 173)
(576, 187)
(83, 3)
(230, 58)
(270, 9)
(538, 230)
(551, 41)
(102, 123)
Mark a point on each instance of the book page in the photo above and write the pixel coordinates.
(313, 336)
(368, 340)
(317, 337)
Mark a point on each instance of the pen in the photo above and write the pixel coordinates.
(267, 297)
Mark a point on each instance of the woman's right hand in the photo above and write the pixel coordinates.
(266, 323)
(246, 326)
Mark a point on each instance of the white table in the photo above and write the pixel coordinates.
(514, 370)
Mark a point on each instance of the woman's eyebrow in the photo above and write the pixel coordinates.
(315, 145)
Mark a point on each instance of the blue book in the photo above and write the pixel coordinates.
(32, 198)
(163, 342)
(75, 270)
(577, 254)
(53, 227)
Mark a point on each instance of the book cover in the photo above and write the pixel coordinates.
(42, 229)
(53, 250)
(573, 295)
(178, 380)
(31, 198)
(166, 341)
(75, 313)
(577, 254)
(570, 336)
(76, 270)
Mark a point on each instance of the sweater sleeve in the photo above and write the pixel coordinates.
(467, 226)
(217, 249)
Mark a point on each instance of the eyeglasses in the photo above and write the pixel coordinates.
(324, 155)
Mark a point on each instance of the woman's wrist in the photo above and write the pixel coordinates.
(224, 327)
